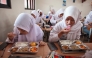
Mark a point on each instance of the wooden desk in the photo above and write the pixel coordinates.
(41, 52)
(44, 50)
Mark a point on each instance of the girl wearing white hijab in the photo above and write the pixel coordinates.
(57, 17)
(40, 18)
(51, 13)
(70, 19)
(88, 22)
(25, 29)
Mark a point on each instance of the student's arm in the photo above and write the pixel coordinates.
(54, 34)
(15, 38)
(57, 32)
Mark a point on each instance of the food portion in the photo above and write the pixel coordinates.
(33, 49)
(68, 27)
(77, 42)
(14, 49)
(65, 47)
(74, 47)
(82, 46)
(21, 44)
(65, 42)
(23, 49)
(33, 44)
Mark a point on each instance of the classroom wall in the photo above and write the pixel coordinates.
(8, 16)
(45, 5)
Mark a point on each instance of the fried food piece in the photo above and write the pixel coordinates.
(33, 44)
(33, 49)
(82, 47)
(78, 42)
(65, 47)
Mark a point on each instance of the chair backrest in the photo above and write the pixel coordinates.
(90, 35)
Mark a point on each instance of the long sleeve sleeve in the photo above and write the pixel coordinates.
(54, 33)
(15, 39)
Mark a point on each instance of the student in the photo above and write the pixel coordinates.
(25, 29)
(57, 17)
(40, 18)
(88, 23)
(51, 13)
(69, 28)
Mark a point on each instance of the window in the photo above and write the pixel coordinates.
(5, 3)
(29, 4)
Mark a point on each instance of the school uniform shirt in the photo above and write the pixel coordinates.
(88, 18)
(26, 22)
(75, 29)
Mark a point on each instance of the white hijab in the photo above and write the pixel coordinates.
(52, 10)
(38, 19)
(60, 11)
(50, 13)
(27, 22)
(73, 12)
(89, 17)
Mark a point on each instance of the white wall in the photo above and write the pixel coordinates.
(57, 4)
(8, 16)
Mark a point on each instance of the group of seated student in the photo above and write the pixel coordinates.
(69, 27)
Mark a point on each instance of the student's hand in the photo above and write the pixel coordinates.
(64, 31)
(42, 43)
(11, 36)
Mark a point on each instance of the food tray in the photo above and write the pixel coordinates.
(27, 47)
(72, 46)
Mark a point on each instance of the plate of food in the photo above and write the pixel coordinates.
(25, 47)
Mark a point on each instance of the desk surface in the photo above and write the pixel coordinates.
(44, 50)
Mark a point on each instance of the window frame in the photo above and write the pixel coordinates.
(30, 6)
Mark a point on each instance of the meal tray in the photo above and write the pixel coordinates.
(72, 46)
(24, 47)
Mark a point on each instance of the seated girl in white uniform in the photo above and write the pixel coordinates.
(25, 29)
(40, 18)
(69, 28)
(57, 17)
